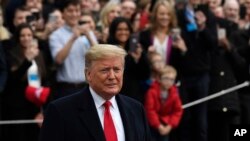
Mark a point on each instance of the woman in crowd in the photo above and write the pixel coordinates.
(136, 67)
(157, 37)
(26, 74)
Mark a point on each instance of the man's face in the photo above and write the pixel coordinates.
(247, 4)
(86, 5)
(231, 12)
(20, 17)
(105, 76)
(71, 15)
(128, 9)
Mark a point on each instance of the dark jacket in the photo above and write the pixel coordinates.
(225, 66)
(75, 118)
(3, 68)
(197, 59)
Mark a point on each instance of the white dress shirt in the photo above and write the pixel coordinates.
(115, 113)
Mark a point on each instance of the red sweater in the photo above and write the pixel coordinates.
(169, 112)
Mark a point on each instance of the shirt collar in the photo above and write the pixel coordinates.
(99, 101)
(67, 27)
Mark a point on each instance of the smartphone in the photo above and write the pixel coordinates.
(34, 43)
(175, 33)
(52, 18)
(133, 42)
(221, 33)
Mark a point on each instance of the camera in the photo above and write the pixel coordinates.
(82, 22)
(30, 18)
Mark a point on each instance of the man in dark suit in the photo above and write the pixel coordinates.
(81, 116)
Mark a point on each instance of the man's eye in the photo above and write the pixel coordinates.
(104, 70)
(117, 70)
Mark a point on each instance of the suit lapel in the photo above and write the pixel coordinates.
(89, 116)
(127, 119)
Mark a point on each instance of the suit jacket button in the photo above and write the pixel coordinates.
(222, 73)
(224, 109)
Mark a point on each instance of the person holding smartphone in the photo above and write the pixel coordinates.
(68, 51)
(199, 32)
(20, 58)
(158, 37)
(136, 66)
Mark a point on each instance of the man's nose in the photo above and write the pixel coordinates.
(111, 74)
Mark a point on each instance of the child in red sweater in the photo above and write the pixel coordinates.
(163, 105)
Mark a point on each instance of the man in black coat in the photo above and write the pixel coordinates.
(199, 32)
(81, 116)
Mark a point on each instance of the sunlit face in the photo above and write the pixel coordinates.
(105, 76)
(167, 80)
(26, 37)
(163, 16)
(128, 9)
(122, 33)
(71, 14)
(115, 12)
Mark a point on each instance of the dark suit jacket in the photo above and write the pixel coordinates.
(75, 118)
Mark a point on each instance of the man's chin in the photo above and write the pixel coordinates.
(113, 91)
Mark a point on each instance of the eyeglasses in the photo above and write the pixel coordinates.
(172, 80)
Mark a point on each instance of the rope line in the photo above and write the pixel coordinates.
(196, 102)
(215, 95)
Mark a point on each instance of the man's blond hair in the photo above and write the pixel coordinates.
(102, 51)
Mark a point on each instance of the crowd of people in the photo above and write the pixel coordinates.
(177, 51)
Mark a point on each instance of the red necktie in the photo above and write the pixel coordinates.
(109, 128)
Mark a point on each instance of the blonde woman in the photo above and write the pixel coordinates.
(110, 11)
(157, 37)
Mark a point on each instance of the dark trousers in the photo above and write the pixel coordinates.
(245, 107)
(219, 125)
(193, 126)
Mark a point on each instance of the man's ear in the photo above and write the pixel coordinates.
(86, 73)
